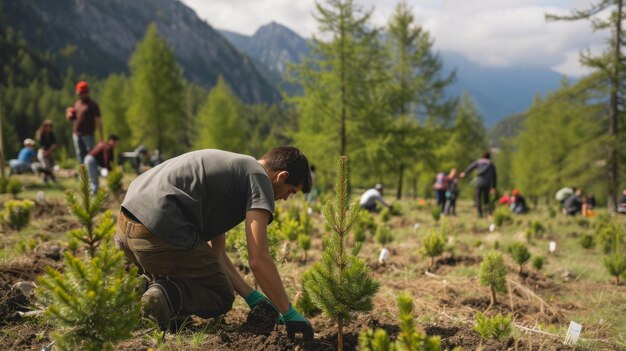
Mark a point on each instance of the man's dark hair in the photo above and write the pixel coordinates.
(114, 137)
(486, 154)
(292, 160)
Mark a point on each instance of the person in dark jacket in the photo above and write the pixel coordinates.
(100, 156)
(485, 182)
(573, 205)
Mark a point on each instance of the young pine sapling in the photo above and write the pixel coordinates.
(520, 254)
(432, 246)
(493, 274)
(94, 302)
(340, 283)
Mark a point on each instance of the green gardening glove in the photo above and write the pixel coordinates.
(255, 298)
(296, 323)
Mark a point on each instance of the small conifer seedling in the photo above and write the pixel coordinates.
(16, 214)
(409, 338)
(432, 246)
(94, 303)
(305, 244)
(497, 327)
(493, 274)
(14, 187)
(537, 262)
(114, 181)
(520, 254)
(340, 284)
(383, 235)
(85, 207)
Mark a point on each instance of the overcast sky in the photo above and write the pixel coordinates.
(488, 32)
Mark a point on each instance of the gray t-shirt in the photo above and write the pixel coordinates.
(199, 195)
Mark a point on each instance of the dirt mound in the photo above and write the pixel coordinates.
(61, 225)
(11, 301)
(261, 320)
(49, 209)
(466, 339)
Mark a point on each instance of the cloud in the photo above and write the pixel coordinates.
(488, 32)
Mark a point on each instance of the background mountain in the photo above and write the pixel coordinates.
(497, 92)
(97, 37)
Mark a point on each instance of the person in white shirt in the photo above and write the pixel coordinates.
(371, 196)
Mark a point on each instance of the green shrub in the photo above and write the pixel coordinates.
(14, 187)
(289, 228)
(395, 209)
(537, 229)
(583, 222)
(360, 234)
(383, 235)
(367, 221)
(3, 185)
(520, 254)
(409, 338)
(552, 212)
(385, 215)
(432, 246)
(502, 215)
(114, 180)
(26, 245)
(497, 327)
(587, 242)
(436, 213)
(16, 214)
(609, 234)
(493, 274)
(537, 262)
(305, 244)
(615, 263)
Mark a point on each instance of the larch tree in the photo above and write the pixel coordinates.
(611, 66)
(336, 81)
(416, 88)
(219, 121)
(114, 104)
(156, 109)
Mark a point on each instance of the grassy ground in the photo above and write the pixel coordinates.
(573, 285)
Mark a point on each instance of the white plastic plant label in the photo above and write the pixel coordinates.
(573, 333)
(552, 246)
(492, 227)
(384, 256)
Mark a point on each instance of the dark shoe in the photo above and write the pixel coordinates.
(156, 305)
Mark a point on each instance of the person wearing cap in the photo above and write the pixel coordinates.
(26, 159)
(101, 156)
(371, 197)
(85, 117)
(173, 224)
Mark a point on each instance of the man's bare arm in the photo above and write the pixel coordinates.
(261, 261)
(239, 284)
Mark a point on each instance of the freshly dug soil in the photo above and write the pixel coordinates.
(11, 301)
(49, 209)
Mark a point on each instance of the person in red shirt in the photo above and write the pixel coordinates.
(85, 117)
(100, 156)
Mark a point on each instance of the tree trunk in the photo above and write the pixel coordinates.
(400, 180)
(617, 280)
(339, 334)
(432, 262)
(493, 296)
(612, 161)
(1, 147)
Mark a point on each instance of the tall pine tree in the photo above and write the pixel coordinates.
(220, 124)
(114, 100)
(156, 108)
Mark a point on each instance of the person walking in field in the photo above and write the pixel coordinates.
(485, 181)
(439, 186)
(101, 156)
(173, 221)
(85, 117)
(451, 194)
